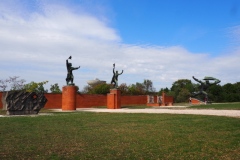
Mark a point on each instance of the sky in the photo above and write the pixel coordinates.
(159, 40)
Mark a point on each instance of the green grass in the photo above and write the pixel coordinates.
(3, 112)
(83, 135)
(221, 106)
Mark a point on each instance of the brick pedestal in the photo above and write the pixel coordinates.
(69, 97)
(114, 99)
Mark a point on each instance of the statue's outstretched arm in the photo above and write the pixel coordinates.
(196, 79)
(216, 81)
(121, 72)
(76, 68)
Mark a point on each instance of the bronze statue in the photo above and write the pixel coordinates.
(115, 77)
(204, 86)
(69, 70)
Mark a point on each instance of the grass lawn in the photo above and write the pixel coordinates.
(223, 106)
(84, 135)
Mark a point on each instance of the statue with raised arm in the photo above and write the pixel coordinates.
(115, 77)
(204, 85)
(70, 76)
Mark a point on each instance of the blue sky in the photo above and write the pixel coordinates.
(149, 39)
(200, 26)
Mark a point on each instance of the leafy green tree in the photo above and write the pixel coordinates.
(35, 87)
(132, 89)
(165, 90)
(183, 95)
(231, 92)
(124, 89)
(55, 88)
(183, 87)
(215, 93)
(141, 88)
(101, 89)
(97, 89)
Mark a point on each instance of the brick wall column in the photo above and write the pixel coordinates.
(163, 99)
(114, 99)
(69, 97)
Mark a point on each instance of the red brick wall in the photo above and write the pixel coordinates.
(168, 99)
(134, 100)
(54, 100)
(89, 100)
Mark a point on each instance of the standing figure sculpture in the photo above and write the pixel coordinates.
(69, 72)
(115, 77)
(204, 86)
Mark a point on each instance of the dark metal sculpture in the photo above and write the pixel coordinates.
(70, 76)
(115, 77)
(22, 102)
(204, 85)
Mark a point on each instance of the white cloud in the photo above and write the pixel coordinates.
(35, 48)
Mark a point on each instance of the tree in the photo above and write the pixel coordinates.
(97, 89)
(165, 90)
(141, 88)
(55, 88)
(215, 93)
(14, 82)
(124, 89)
(101, 89)
(86, 89)
(35, 87)
(148, 86)
(231, 92)
(184, 86)
(183, 95)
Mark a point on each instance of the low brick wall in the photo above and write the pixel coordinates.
(89, 100)
(54, 100)
(168, 99)
(134, 100)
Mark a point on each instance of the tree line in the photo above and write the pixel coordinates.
(144, 88)
(14, 84)
(181, 89)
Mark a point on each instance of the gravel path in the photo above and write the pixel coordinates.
(228, 113)
(175, 110)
